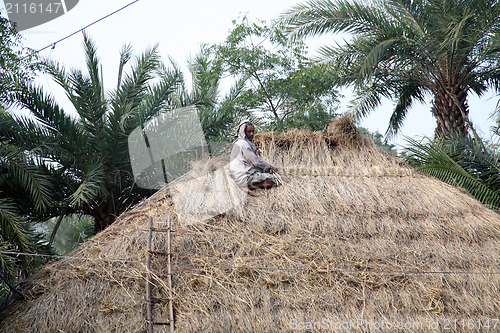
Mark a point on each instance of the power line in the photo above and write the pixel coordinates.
(305, 269)
(74, 33)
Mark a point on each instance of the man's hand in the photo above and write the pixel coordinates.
(273, 169)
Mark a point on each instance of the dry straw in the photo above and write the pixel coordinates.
(353, 237)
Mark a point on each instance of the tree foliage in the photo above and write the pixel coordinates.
(24, 187)
(16, 63)
(73, 230)
(218, 113)
(57, 163)
(24, 190)
(406, 49)
(281, 84)
(379, 140)
(87, 154)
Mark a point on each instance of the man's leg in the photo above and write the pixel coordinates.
(268, 183)
(249, 191)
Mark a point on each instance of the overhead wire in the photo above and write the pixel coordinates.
(52, 45)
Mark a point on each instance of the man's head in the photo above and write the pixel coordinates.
(250, 131)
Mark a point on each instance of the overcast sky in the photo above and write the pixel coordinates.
(179, 27)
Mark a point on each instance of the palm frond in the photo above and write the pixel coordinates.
(89, 104)
(59, 74)
(407, 95)
(134, 85)
(91, 185)
(92, 62)
(366, 98)
(158, 99)
(318, 17)
(46, 111)
(21, 131)
(436, 43)
(13, 227)
(206, 75)
(218, 122)
(125, 56)
(459, 162)
(25, 175)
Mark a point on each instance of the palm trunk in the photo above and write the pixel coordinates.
(451, 112)
(102, 221)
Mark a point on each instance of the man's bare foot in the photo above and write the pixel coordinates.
(249, 191)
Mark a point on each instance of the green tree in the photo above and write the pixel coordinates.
(406, 49)
(218, 113)
(87, 154)
(379, 140)
(15, 63)
(73, 230)
(460, 161)
(281, 84)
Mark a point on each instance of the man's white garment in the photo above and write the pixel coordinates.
(244, 159)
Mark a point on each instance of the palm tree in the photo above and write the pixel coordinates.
(87, 155)
(406, 49)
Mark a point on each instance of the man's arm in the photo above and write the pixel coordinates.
(256, 160)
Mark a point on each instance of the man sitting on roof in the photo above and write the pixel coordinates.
(248, 170)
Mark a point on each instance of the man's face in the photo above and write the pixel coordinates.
(249, 132)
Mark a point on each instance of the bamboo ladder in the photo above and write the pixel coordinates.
(150, 300)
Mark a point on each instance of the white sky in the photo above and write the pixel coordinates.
(179, 27)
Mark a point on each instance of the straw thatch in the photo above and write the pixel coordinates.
(353, 240)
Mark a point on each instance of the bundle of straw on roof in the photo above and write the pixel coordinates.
(353, 239)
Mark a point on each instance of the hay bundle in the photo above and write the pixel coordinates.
(353, 240)
(345, 134)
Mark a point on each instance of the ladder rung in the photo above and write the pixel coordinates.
(161, 323)
(159, 299)
(163, 253)
(162, 230)
(159, 230)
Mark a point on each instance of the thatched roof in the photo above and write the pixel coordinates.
(352, 235)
